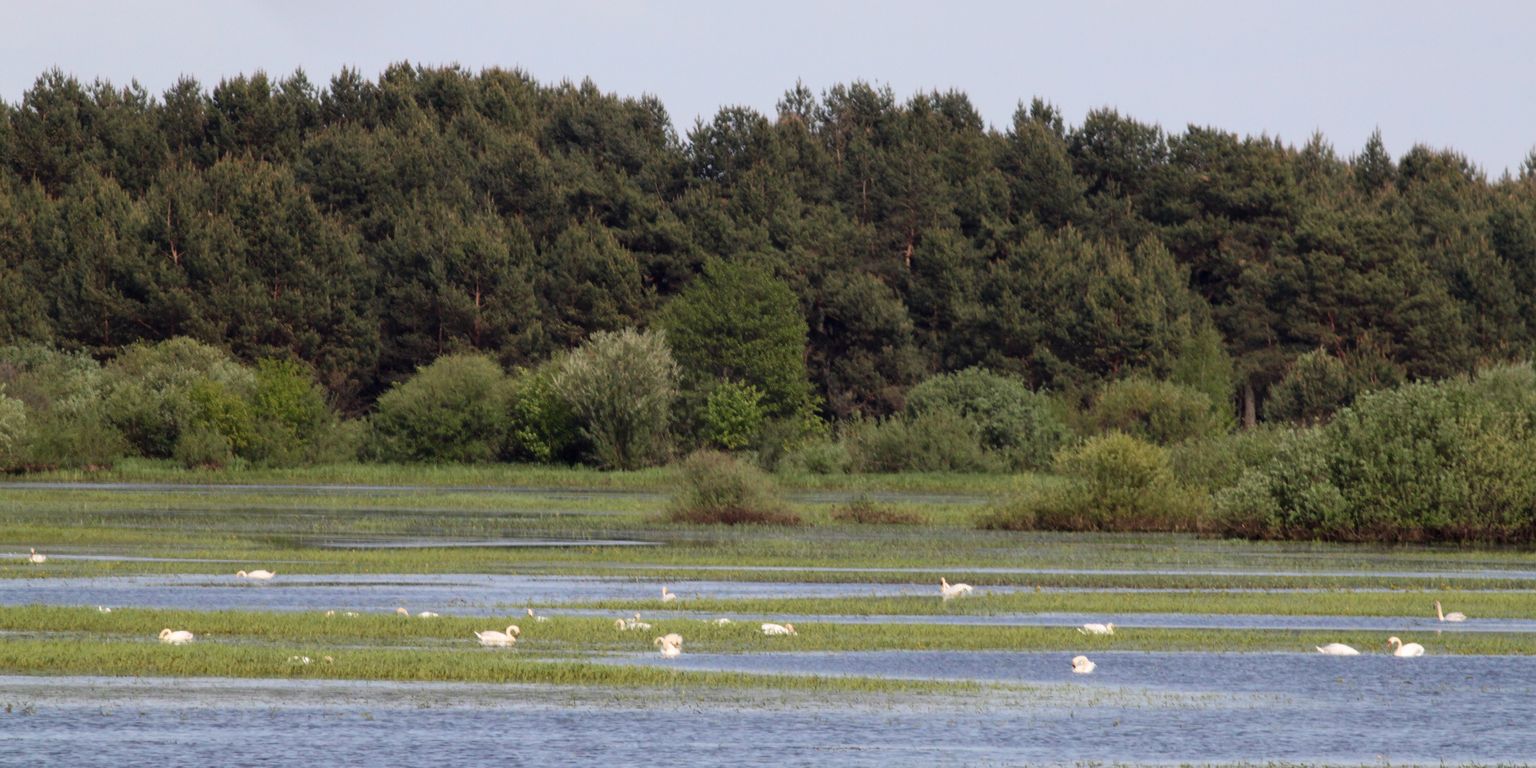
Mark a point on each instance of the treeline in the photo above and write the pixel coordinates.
(367, 228)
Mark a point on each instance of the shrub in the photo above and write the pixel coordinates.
(48, 380)
(1423, 462)
(620, 386)
(864, 511)
(293, 418)
(820, 457)
(733, 415)
(13, 430)
(203, 447)
(451, 411)
(1159, 411)
(1219, 461)
(74, 438)
(1010, 419)
(214, 407)
(1114, 482)
(936, 441)
(716, 488)
(1317, 385)
(542, 427)
(146, 390)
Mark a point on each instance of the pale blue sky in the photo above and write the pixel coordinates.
(1459, 75)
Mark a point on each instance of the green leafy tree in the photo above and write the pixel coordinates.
(737, 322)
(620, 385)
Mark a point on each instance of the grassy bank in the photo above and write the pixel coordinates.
(502, 475)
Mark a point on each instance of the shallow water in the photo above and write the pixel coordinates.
(1137, 709)
(495, 595)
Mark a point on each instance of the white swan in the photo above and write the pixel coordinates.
(1336, 649)
(722, 621)
(1082, 666)
(422, 615)
(178, 637)
(1452, 616)
(35, 558)
(492, 638)
(950, 591)
(536, 618)
(1097, 629)
(631, 624)
(779, 629)
(299, 659)
(671, 645)
(256, 574)
(1405, 649)
(667, 595)
(103, 609)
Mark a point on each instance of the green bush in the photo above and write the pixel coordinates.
(1020, 425)
(733, 415)
(79, 438)
(48, 380)
(863, 510)
(216, 408)
(203, 446)
(1423, 462)
(453, 410)
(935, 441)
(147, 390)
(620, 386)
(295, 423)
(1219, 461)
(819, 457)
(542, 428)
(13, 430)
(1114, 482)
(1316, 386)
(1158, 411)
(716, 488)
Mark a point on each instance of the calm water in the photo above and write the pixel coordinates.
(1137, 708)
(495, 595)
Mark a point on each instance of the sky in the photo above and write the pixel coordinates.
(1448, 75)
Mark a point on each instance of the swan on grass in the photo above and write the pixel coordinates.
(35, 558)
(631, 624)
(1337, 649)
(259, 573)
(1082, 666)
(492, 638)
(671, 645)
(1405, 649)
(536, 618)
(779, 629)
(667, 595)
(1452, 616)
(1097, 629)
(720, 622)
(950, 591)
(177, 637)
(422, 615)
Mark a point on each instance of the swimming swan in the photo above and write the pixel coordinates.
(178, 637)
(422, 615)
(671, 645)
(492, 638)
(667, 595)
(1452, 616)
(1337, 649)
(779, 629)
(35, 558)
(256, 574)
(1405, 649)
(1097, 629)
(949, 591)
(536, 618)
(1082, 666)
